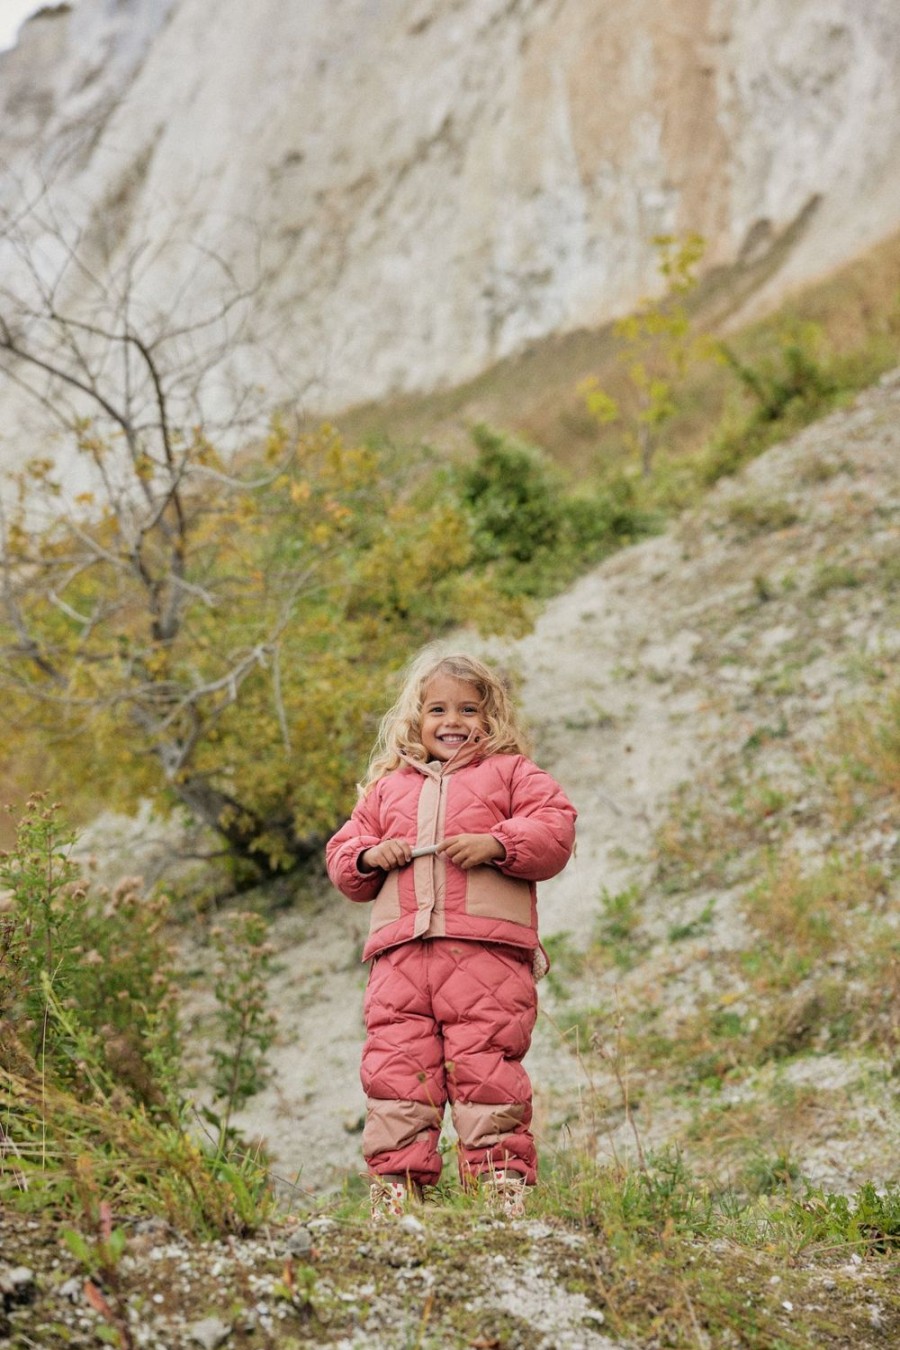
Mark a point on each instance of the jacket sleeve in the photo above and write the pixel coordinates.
(540, 833)
(342, 852)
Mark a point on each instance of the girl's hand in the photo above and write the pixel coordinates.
(387, 855)
(472, 850)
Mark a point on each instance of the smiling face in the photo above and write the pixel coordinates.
(451, 712)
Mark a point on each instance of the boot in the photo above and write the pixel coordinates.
(504, 1194)
(390, 1196)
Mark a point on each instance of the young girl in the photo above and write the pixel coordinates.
(454, 827)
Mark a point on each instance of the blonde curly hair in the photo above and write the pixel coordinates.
(399, 735)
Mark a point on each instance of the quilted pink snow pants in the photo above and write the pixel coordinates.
(448, 1020)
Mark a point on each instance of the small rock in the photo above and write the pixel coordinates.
(300, 1242)
(210, 1333)
(152, 1225)
(146, 1235)
(410, 1224)
(322, 1225)
(401, 1260)
(17, 1284)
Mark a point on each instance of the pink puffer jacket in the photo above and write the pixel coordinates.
(504, 795)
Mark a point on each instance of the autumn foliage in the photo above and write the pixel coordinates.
(219, 635)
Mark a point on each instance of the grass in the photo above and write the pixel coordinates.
(809, 910)
(68, 1156)
(861, 760)
(618, 929)
(94, 1106)
(755, 514)
(716, 828)
(804, 912)
(654, 1246)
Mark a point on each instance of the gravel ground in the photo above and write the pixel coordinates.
(438, 1282)
(447, 1281)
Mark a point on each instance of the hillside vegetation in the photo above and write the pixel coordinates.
(850, 320)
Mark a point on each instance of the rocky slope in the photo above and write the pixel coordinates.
(711, 661)
(420, 187)
(665, 688)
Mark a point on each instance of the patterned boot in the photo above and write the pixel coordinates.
(389, 1197)
(504, 1194)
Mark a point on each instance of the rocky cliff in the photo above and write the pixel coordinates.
(425, 186)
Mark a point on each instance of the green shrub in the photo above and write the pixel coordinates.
(529, 532)
(88, 979)
(791, 384)
(91, 1100)
(794, 373)
(513, 499)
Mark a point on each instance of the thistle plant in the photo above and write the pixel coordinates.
(40, 950)
(244, 1025)
(87, 992)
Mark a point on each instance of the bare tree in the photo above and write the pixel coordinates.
(129, 602)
